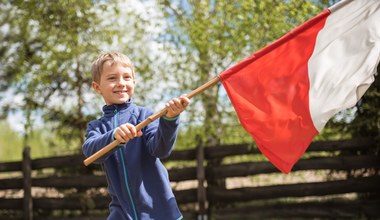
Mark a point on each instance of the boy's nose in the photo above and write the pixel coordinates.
(121, 82)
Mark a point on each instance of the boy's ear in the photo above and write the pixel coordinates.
(95, 87)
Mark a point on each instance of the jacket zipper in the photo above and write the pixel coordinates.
(116, 119)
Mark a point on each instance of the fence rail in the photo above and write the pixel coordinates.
(79, 191)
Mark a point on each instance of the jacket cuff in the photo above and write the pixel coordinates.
(113, 134)
(170, 119)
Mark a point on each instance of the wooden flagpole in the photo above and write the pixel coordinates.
(147, 121)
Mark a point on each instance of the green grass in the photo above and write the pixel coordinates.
(10, 143)
(43, 143)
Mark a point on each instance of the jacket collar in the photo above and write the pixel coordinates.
(110, 110)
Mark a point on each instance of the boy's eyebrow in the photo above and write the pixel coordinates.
(115, 73)
(110, 74)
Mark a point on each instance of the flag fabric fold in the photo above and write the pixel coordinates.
(285, 93)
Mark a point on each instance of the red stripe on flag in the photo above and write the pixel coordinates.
(269, 91)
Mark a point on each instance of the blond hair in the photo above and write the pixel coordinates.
(114, 57)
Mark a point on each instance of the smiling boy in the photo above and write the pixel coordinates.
(138, 183)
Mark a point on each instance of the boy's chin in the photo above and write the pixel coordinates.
(124, 100)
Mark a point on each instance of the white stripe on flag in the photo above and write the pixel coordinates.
(344, 60)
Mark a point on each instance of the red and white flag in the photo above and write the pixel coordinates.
(285, 93)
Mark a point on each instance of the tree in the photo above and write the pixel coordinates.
(46, 55)
(52, 44)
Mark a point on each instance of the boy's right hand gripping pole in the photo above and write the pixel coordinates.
(147, 121)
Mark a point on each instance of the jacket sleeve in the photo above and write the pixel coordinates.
(160, 137)
(96, 139)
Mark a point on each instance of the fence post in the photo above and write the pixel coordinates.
(201, 191)
(27, 184)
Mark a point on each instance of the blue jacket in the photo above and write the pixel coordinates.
(138, 183)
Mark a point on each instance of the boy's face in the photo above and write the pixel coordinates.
(116, 83)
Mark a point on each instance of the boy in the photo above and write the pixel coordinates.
(138, 182)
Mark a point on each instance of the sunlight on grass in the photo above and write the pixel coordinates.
(43, 143)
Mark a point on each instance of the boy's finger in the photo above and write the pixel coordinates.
(185, 100)
(126, 132)
(120, 137)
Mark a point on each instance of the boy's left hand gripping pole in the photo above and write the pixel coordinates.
(147, 121)
(115, 143)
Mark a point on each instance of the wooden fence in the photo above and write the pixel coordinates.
(333, 180)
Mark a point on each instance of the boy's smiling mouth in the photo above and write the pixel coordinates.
(121, 92)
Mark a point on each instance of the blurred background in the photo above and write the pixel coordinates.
(46, 100)
(47, 47)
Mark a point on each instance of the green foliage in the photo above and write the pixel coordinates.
(46, 55)
(43, 143)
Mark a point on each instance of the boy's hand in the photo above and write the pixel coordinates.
(176, 106)
(125, 132)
